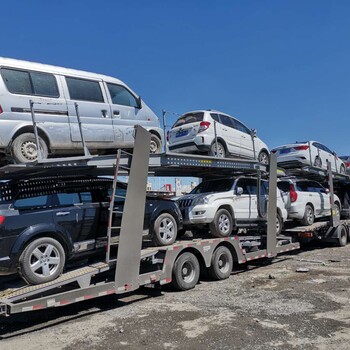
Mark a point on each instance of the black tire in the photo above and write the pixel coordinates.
(222, 224)
(221, 150)
(24, 149)
(156, 144)
(42, 261)
(309, 216)
(343, 236)
(279, 224)
(164, 230)
(264, 158)
(181, 233)
(221, 264)
(342, 169)
(186, 271)
(318, 162)
(337, 210)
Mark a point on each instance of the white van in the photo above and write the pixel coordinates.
(108, 110)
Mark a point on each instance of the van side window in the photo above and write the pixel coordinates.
(30, 83)
(121, 96)
(84, 90)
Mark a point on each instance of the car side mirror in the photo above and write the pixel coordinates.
(239, 191)
(253, 133)
(139, 102)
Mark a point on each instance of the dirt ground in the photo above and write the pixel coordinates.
(266, 306)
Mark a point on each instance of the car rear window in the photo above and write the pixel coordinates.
(283, 186)
(222, 185)
(189, 118)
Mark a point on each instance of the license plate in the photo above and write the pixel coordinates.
(284, 151)
(181, 133)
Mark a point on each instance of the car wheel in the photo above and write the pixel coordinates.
(342, 169)
(165, 230)
(343, 237)
(318, 162)
(186, 271)
(221, 226)
(220, 152)
(263, 158)
(279, 224)
(221, 264)
(24, 148)
(42, 261)
(309, 216)
(156, 144)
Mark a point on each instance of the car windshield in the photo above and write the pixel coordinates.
(222, 185)
(189, 118)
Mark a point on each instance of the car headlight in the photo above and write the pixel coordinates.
(201, 200)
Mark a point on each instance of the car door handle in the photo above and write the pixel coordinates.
(104, 113)
(116, 113)
(63, 213)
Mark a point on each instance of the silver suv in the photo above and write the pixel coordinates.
(195, 132)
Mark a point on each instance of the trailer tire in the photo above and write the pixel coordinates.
(186, 271)
(164, 230)
(343, 236)
(309, 216)
(221, 264)
(222, 224)
(24, 148)
(44, 254)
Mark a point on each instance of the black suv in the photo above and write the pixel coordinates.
(46, 222)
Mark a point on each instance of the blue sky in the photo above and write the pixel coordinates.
(281, 67)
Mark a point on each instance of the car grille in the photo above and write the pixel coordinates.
(185, 202)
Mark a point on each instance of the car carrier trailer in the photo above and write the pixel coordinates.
(133, 264)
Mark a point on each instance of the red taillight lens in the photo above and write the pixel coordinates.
(203, 126)
(347, 164)
(292, 194)
(274, 151)
(1, 109)
(2, 219)
(301, 148)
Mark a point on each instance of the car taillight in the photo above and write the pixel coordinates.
(292, 194)
(347, 164)
(1, 109)
(203, 126)
(2, 219)
(301, 148)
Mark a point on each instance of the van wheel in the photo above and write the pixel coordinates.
(220, 152)
(186, 271)
(155, 145)
(221, 226)
(42, 261)
(24, 148)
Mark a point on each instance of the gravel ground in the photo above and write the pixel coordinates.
(266, 306)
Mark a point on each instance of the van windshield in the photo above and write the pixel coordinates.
(222, 185)
(189, 118)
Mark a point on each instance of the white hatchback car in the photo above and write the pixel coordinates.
(308, 153)
(306, 200)
(195, 132)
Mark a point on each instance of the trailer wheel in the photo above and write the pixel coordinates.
(186, 271)
(343, 236)
(42, 261)
(309, 216)
(221, 264)
(165, 230)
(221, 226)
(24, 148)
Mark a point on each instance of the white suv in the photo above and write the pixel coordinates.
(306, 200)
(195, 132)
(227, 205)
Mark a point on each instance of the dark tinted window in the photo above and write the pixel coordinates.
(215, 116)
(309, 186)
(189, 118)
(30, 83)
(249, 186)
(33, 202)
(283, 186)
(241, 127)
(227, 121)
(74, 198)
(121, 96)
(222, 185)
(84, 90)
